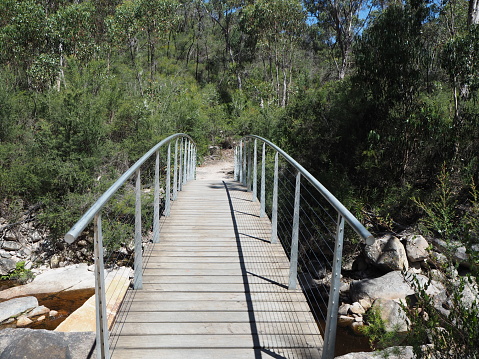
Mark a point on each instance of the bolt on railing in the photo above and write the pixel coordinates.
(184, 165)
(308, 221)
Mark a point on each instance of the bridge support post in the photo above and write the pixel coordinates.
(293, 269)
(102, 347)
(168, 182)
(262, 212)
(274, 209)
(240, 162)
(249, 175)
(255, 171)
(156, 204)
(175, 172)
(180, 166)
(138, 276)
(245, 165)
(185, 154)
(333, 304)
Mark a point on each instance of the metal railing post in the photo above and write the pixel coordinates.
(156, 204)
(240, 162)
(248, 172)
(185, 154)
(293, 269)
(168, 182)
(102, 346)
(262, 212)
(187, 161)
(175, 172)
(138, 276)
(255, 171)
(180, 167)
(245, 165)
(274, 209)
(235, 176)
(333, 304)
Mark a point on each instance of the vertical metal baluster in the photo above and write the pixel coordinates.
(262, 212)
(274, 209)
(180, 169)
(168, 183)
(245, 151)
(255, 171)
(190, 161)
(185, 152)
(187, 162)
(293, 269)
(236, 164)
(240, 162)
(156, 204)
(102, 346)
(249, 177)
(138, 276)
(175, 173)
(333, 304)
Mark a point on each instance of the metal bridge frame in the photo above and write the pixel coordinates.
(246, 172)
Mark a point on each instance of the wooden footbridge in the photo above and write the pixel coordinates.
(222, 274)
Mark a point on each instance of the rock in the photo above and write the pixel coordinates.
(36, 237)
(4, 254)
(393, 316)
(7, 266)
(390, 286)
(38, 311)
(416, 248)
(41, 318)
(344, 309)
(357, 308)
(439, 259)
(11, 246)
(357, 327)
(16, 306)
(62, 279)
(415, 267)
(454, 249)
(345, 321)
(44, 344)
(55, 261)
(365, 303)
(387, 253)
(23, 321)
(53, 313)
(390, 353)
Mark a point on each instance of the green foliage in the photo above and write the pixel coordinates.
(453, 331)
(376, 332)
(20, 274)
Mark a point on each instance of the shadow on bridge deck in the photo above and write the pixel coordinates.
(215, 287)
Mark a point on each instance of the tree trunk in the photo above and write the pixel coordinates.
(473, 13)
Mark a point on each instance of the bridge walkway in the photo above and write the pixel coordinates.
(215, 287)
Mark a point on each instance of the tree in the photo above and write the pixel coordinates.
(340, 21)
(278, 25)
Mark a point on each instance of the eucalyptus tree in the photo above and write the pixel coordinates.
(278, 26)
(340, 22)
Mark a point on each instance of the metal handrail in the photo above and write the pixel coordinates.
(248, 176)
(89, 215)
(184, 170)
(345, 213)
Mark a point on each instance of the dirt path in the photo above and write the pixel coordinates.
(215, 170)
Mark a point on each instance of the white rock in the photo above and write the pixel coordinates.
(387, 253)
(417, 248)
(23, 321)
(16, 306)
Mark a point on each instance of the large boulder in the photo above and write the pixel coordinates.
(390, 353)
(387, 253)
(392, 285)
(392, 315)
(417, 248)
(69, 278)
(15, 307)
(44, 344)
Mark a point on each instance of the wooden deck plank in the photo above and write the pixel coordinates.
(215, 287)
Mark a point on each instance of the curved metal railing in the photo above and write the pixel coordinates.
(302, 216)
(184, 164)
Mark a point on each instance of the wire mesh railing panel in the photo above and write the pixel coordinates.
(308, 221)
(125, 220)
